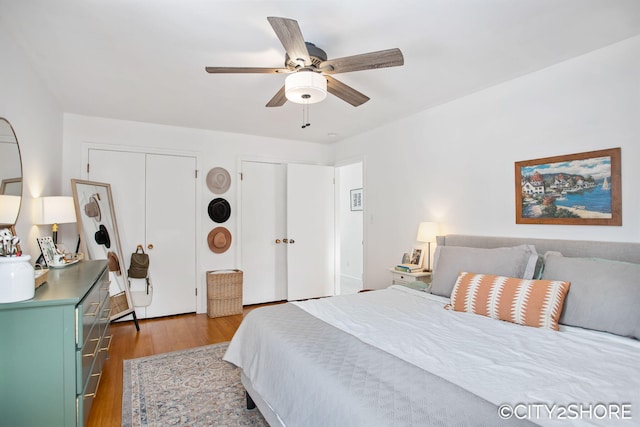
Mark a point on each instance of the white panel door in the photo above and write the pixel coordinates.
(171, 229)
(154, 196)
(310, 231)
(263, 224)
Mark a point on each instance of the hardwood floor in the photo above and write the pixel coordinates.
(156, 336)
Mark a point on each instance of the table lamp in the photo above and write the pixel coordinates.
(56, 210)
(427, 232)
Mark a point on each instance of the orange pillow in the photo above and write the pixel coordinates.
(536, 303)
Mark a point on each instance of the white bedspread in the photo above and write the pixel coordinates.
(499, 361)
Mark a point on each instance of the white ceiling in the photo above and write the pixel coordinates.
(144, 60)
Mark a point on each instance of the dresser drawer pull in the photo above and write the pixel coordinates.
(95, 349)
(108, 345)
(97, 304)
(95, 392)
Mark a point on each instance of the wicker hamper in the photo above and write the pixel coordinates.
(224, 293)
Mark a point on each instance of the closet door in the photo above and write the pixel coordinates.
(310, 231)
(125, 172)
(286, 231)
(154, 197)
(170, 232)
(263, 229)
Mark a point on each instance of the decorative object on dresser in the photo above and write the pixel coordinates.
(48, 249)
(54, 257)
(98, 229)
(17, 278)
(576, 189)
(41, 275)
(54, 347)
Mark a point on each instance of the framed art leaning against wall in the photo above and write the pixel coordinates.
(574, 189)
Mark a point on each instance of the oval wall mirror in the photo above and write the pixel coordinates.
(10, 175)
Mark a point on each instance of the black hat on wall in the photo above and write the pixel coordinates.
(219, 210)
(102, 236)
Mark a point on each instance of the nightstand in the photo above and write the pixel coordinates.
(419, 280)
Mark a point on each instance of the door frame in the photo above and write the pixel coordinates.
(280, 160)
(345, 162)
(201, 285)
(260, 159)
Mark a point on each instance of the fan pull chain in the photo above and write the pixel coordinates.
(305, 113)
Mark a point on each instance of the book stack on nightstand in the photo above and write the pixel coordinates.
(420, 280)
(409, 268)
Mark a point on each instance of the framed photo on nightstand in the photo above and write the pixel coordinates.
(416, 256)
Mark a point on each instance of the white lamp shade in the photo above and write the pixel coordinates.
(9, 207)
(55, 210)
(305, 87)
(427, 232)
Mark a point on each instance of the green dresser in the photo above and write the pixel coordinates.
(53, 347)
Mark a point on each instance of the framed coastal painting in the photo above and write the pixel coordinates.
(575, 189)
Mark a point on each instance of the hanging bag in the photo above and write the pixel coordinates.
(141, 291)
(139, 267)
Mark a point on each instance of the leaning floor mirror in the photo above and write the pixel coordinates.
(99, 239)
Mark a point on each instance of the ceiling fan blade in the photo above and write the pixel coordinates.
(364, 61)
(245, 70)
(345, 92)
(278, 99)
(291, 38)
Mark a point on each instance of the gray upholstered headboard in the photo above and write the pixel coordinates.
(618, 251)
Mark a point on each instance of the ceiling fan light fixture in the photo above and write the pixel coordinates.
(305, 87)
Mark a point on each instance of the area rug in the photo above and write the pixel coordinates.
(193, 388)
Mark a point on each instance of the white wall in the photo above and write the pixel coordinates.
(37, 121)
(455, 163)
(211, 149)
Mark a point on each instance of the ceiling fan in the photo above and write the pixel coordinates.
(310, 71)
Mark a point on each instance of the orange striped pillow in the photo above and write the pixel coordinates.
(536, 303)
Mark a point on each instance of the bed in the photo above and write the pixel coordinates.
(405, 357)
